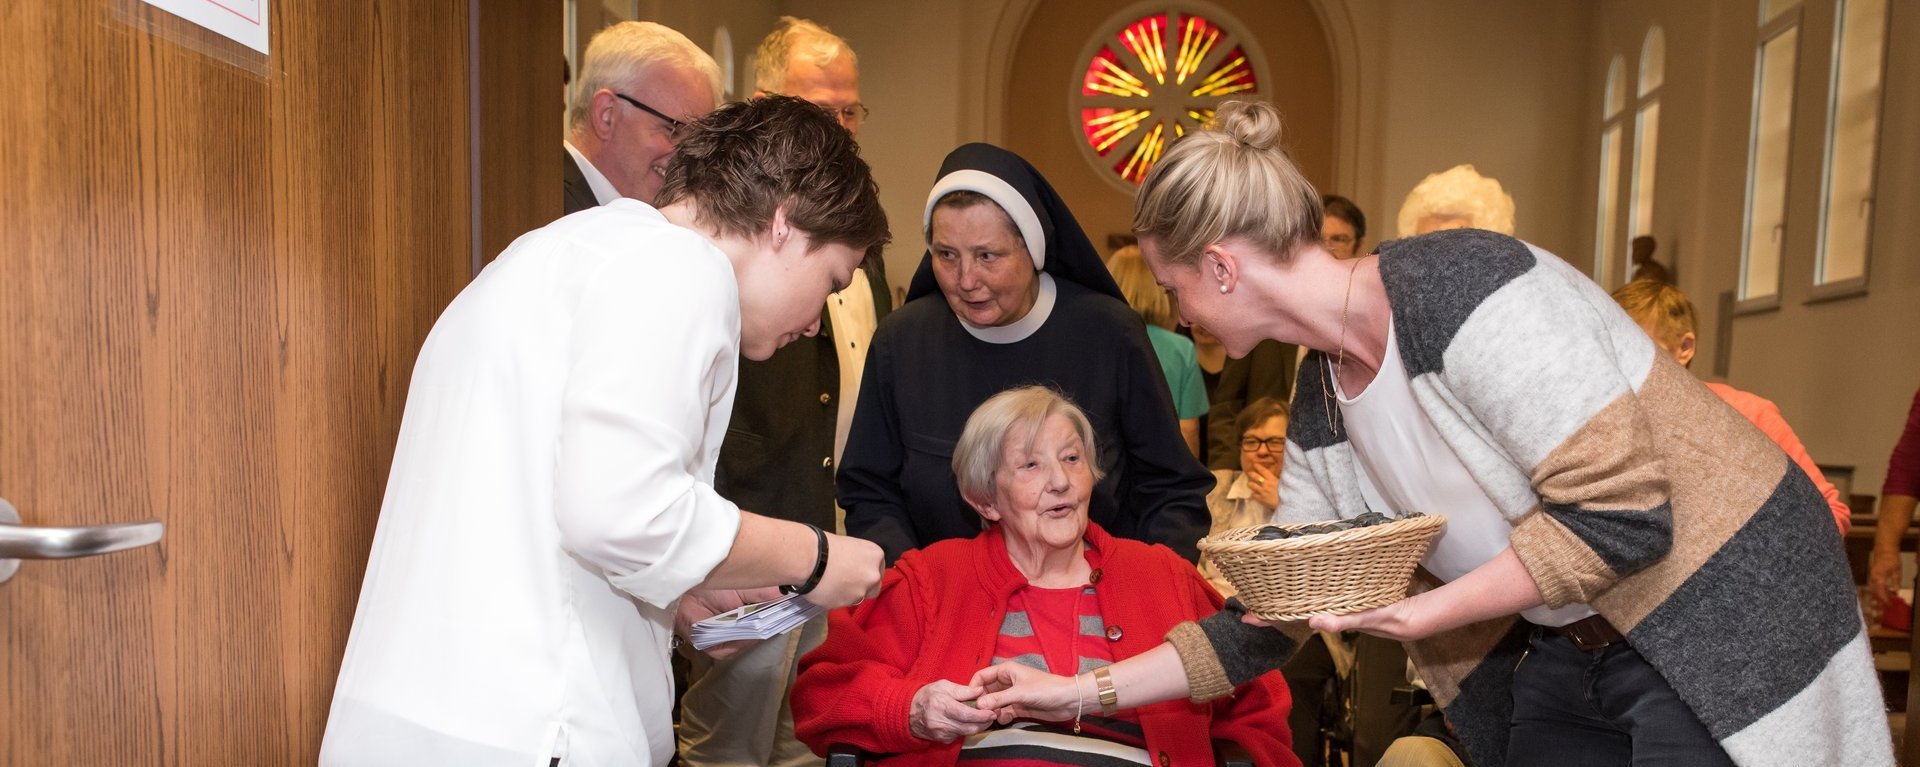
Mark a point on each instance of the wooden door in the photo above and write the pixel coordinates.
(213, 283)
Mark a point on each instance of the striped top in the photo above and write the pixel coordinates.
(1058, 631)
(1629, 487)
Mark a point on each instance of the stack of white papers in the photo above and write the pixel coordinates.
(756, 621)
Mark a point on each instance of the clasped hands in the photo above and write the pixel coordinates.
(945, 711)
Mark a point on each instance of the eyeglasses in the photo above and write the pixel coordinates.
(1272, 444)
(850, 115)
(675, 128)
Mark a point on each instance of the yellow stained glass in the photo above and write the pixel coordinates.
(1156, 79)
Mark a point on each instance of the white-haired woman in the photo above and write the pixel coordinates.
(1456, 198)
(1631, 573)
(1043, 586)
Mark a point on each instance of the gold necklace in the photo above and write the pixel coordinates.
(1340, 363)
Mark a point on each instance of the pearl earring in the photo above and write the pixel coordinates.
(1223, 287)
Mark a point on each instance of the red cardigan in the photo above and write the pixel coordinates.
(938, 615)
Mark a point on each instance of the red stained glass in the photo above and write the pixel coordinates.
(1152, 81)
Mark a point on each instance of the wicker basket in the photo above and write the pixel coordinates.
(1325, 574)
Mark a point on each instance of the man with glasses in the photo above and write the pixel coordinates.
(639, 85)
(790, 418)
(802, 59)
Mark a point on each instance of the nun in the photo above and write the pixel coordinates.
(1011, 293)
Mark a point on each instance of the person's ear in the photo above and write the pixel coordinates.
(601, 116)
(986, 510)
(779, 230)
(1219, 264)
(1686, 349)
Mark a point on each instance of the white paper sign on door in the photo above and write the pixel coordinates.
(244, 21)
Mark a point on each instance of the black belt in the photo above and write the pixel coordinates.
(1593, 633)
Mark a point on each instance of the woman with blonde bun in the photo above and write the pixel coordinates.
(1630, 573)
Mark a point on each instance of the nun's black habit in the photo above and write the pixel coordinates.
(926, 372)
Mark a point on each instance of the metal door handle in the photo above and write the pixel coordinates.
(19, 542)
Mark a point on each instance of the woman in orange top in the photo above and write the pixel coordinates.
(1666, 314)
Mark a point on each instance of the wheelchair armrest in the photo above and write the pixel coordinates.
(1227, 753)
(845, 756)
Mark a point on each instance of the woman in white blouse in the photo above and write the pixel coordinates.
(551, 496)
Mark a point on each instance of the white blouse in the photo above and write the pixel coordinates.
(551, 498)
(1404, 467)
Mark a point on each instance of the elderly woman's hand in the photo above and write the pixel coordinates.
(1017, 691)
(939, 713)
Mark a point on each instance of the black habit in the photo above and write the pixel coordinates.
(926, 373)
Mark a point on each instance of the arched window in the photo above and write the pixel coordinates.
(1146, 79)
(1646, 134)
(1606, 234)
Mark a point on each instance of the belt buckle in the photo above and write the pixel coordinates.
(1585, 636)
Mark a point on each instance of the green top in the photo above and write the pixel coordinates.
(1177, 363)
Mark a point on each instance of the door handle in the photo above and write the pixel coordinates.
(19, 542)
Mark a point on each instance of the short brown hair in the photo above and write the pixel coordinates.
(1659, 305)
(1258, 411)
(1232, 178)
(748, 158)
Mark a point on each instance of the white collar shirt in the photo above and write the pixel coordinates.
(551, 499)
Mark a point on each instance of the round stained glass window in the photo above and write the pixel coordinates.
(1149, 77)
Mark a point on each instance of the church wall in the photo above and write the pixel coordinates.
(1512, 86)
(1843, 372)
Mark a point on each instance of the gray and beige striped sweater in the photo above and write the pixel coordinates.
(1630, 487)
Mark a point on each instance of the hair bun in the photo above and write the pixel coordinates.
(1253, 123)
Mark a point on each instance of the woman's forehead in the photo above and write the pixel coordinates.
(1023, 436)
(980, 221)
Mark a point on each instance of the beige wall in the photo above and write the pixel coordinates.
(1843, 372)
(1496, 83)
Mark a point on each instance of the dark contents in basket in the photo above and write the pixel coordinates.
(1369, 519)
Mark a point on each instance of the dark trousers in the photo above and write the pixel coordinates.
(1601, 708)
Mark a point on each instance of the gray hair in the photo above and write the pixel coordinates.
(1458, 192)
(796, 37)
(621, 55)
(982, 446)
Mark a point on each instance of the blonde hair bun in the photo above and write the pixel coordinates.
(1256, 124)
(1229, 179)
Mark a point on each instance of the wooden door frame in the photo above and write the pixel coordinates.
(514, 122)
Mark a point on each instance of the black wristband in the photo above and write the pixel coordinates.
(819, 566)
